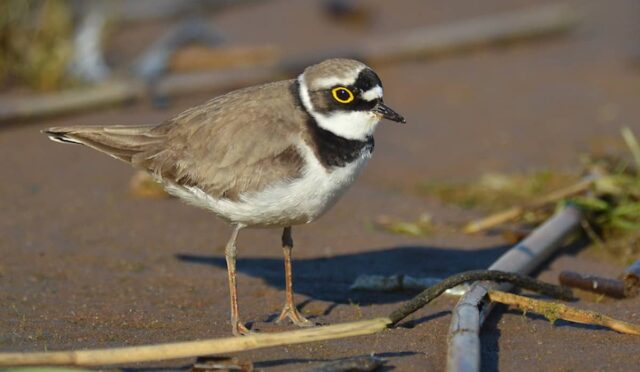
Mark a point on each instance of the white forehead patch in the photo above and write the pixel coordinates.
(332, 81)
(372, 94)
(329, 82)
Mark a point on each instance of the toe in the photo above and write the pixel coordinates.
(240, 329)
(295, 316)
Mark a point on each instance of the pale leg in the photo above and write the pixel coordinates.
(230, 254)
(289, 310)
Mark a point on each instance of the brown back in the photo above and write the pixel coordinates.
(236, 143)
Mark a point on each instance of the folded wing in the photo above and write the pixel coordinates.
(237, 143)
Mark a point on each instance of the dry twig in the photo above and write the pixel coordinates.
(554, 311)
(178, 350)
(515, 212)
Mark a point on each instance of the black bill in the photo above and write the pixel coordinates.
(388, 113)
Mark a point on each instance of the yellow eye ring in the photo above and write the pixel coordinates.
(342, 94)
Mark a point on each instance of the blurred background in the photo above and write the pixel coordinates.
(517, 96)
(484, 86)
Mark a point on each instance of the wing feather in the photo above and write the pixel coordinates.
(236, 143)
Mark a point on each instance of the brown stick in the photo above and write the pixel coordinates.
(554, 311)
(610, 287)
(515, 212)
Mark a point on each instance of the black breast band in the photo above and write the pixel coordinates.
(331, 149)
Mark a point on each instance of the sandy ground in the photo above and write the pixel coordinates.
(85, 264)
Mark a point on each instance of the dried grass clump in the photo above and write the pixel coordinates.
(422, 226)
(610, 200)
(35, 43)
(496, 191)
(613, 207)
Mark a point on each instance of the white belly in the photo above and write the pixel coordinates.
(286, 203)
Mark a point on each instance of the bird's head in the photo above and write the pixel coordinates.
(344, 96)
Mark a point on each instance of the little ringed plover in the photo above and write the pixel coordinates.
(273, 155)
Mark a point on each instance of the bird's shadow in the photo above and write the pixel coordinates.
(329, 278)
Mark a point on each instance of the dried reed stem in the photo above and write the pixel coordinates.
(554, 311)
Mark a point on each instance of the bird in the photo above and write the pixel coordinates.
(274, 155)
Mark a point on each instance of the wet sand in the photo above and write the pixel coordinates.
(85, 264)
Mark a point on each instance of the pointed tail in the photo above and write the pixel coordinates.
(122, 142)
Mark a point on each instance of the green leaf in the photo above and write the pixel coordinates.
(590, 203)
(629, 210)
(623, 224)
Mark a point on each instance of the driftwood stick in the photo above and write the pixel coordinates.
(554, 311)
(518, 280)
(421, 43)
(524, 257)
(136, 354)
(515, 212)
(596, 284)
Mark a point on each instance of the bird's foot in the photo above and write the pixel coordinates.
(239, 329)
(291, 312)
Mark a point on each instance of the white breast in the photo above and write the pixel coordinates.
(286, 203)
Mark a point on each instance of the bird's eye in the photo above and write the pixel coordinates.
(342, 94)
